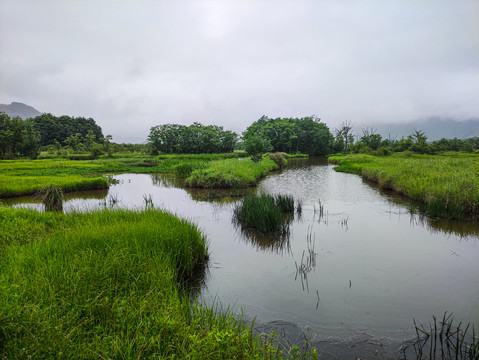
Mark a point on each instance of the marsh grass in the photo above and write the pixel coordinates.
(444, 186)
(110, 284)
(51, 197)
(185, 169)
(264, 212)
(231, 173)
(285, 203)
(444, 340)
(26, 177)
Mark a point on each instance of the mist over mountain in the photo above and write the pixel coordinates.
(19, 109)
(435, 128)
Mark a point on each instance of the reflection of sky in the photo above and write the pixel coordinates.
(400, 265)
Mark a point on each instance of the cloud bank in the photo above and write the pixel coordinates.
(134, 64)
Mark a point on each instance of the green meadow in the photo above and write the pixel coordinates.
(444, 185)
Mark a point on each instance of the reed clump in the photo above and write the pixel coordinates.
(444, 339)
(52, 198)
(264, 212)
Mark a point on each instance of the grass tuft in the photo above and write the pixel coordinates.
(264, 212)
(52, 198)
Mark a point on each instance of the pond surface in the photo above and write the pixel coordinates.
(369, 264)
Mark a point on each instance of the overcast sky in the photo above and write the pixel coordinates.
(134, 64)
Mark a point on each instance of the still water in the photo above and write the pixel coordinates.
(367, 263)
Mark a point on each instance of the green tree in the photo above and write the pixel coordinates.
(255, 146)
(307, 135)
(193, 139)
(17, 137)
(52, 128)
(74, 141)
(419, 140)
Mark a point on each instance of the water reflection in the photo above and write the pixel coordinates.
(77, 195)
(218, 195)
(465, 230)
(307, 263)
(277, 243)
(166, 180)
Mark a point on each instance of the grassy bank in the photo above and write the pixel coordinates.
(231, 173)
(26, 177)
(445, 185)
(108, 284)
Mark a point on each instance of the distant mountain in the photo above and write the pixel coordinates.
(434, 128)
(19, 109)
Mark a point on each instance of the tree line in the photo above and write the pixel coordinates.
(193, 139)
(308, 135)
(24, 138)
(373, 143)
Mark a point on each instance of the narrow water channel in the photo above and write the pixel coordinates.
(368, 264)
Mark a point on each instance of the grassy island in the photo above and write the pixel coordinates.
(445, 185)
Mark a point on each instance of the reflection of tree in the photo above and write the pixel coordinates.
(166, 180)
(276, 243)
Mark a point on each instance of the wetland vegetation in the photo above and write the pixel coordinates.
(443, 185)
(115, 283)
(110, 284)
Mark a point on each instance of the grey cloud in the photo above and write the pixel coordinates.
(133, 64)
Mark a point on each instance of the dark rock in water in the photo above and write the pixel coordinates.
(362, 347)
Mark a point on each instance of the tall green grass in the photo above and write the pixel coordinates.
(108, 284)
(184, 169)
(231, 173)
(446, 186)
(264, 212)
(28, 185)
(52, 198)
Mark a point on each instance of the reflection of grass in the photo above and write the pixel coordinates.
(276, 243)
(445, 185)
(231, 173)
(445, 339)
